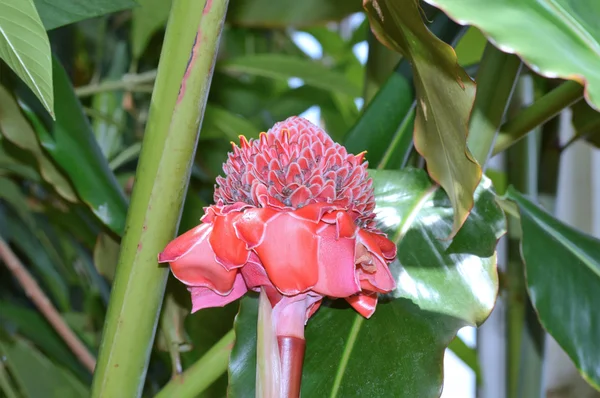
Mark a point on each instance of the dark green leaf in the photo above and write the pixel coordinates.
(562, 266)
(443, 285)
(36, 375)
(72, 145)
(220, 123)
(566, 26)
(586, 122)
(445, 96)
(15, 128)
(55, 13)
(284, 67)
(31, 325)
(24, 46)
(283, 13)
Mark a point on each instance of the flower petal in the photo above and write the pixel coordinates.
(380, 280)
(313, 212)
(250, 227)
(337, 270)
(181, 245)
(203, 297)
(230, 251)
(193, 261)
(363, 303)
(288, 249)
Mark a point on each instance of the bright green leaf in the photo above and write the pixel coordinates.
(24, 46)
(55, 13)
(445, 95)
(15, 128)
(150, 16)
(285, 13)
(541, 33)
(284, 67)
(443, 285)
(220, 123)
(562, 266)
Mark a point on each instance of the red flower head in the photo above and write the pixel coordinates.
(293, 215)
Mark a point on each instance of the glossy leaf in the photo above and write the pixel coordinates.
(24, 46)
(15, 128)
(586, 122)
(283, 13)
(73, 146)
(566, 26)
(148, 17)
(35, 374)
(562, 266)
(55, 13)
(284, 67)
(445, 95)
(443, 285)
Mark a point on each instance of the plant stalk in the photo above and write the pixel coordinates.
(176, 110)
(542, 110)
(202, 373)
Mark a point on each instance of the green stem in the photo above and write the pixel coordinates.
(496, 78)
(201, 374)
(538, 113)
(176, 111)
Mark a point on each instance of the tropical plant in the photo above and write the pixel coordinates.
(116, 124)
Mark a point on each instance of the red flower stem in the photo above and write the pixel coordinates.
(291, 352)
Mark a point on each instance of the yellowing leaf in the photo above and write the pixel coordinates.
(445, 95)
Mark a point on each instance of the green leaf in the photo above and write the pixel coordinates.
(31, 325)
(73, 146)
(15, 128)
(285, 13)
(385, 129)
(562, 266)
(24, 46)
(106, 255)
(586, 122)
(150, 16)
(443, 285)
(220, 123)
(566, 26)
(36, 375)
(445, 95)
(284, 67)
(55, 13)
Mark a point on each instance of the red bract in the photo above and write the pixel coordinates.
(293, 215)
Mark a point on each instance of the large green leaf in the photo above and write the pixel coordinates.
(283, 13)
(24, 46)
(284, 67)
(36, 375)
(443, 285)
(385, 129)
(55, 13)
(541, 33)
(445, 95)
(16, 129)
(563, 278)
(73, 146)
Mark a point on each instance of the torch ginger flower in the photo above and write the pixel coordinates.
(293, 216)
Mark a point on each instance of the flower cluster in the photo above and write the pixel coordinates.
(294, 216)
